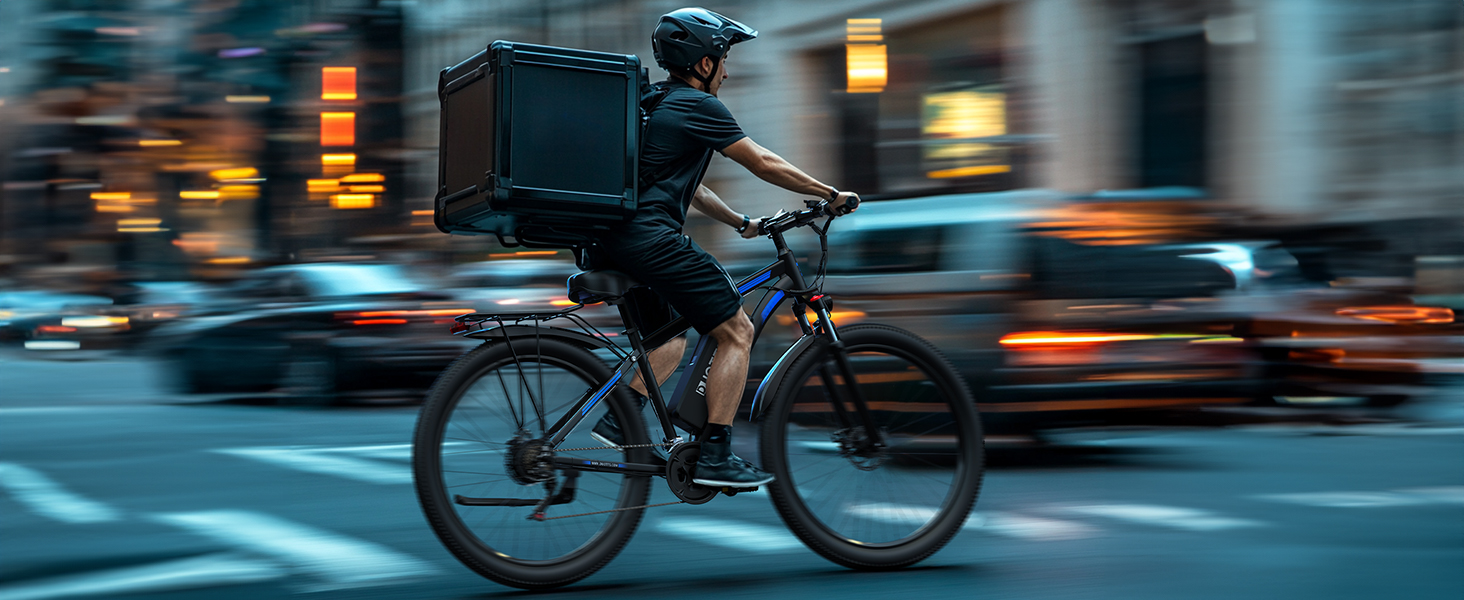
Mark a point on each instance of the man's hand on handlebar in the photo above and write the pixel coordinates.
(845, 203)
(754, 227)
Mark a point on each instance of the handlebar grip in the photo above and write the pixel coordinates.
(849, 205)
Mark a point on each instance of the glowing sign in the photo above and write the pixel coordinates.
(867, 63)
(338, 83)
(337, 129)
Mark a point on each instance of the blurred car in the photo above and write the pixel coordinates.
(525, 285)
(1050, 327)
(43, 320)
(314, 333)
(513, 284)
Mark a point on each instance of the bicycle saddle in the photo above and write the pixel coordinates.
(599, 285)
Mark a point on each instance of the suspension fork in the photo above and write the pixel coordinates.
(850, 392)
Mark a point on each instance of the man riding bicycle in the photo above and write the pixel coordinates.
(685, 127)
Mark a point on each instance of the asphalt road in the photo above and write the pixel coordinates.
(112, 488)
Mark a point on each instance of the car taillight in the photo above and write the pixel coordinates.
(1040, 339)
(379, 322)
(399, 317)
(1399, 314)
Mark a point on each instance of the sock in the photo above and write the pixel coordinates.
(717, 434)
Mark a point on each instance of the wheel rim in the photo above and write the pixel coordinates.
(493, 410)
(875, 498)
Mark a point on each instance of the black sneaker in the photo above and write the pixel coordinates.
(608, 432)
(719, 467)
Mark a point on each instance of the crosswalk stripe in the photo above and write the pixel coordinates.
(325, 462)
(999, 523)
(1453, 494)
(386, 451)
(1401, 497)
(1029, 528)
(47, 498)
(1190, 519)
(736, 535)
(337, 561)
(197, 572)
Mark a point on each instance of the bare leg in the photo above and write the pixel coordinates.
(663, 363)
(729, 369)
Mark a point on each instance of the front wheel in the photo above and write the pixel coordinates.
(483, 475)
(859, 503)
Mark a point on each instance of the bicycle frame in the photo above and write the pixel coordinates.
(787, 284)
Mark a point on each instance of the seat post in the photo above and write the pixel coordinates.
(630, 316)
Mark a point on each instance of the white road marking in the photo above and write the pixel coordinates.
(1029, 528)
(1190, 519)
(316, 460)
(47, 498)
(998, 523)
(388, 451)
(1345, 499)
(362, 463)
(89, 409)
(197, 572)
(1453, 494)
(1401, 497)
(338, 561)
(736, 535)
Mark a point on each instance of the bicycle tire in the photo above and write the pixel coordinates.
(492, 558)
(827, 525)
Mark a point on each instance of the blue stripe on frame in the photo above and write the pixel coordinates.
(772, 304)
(742, 289)
(601, 394)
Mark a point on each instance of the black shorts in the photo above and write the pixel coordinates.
(680, 272)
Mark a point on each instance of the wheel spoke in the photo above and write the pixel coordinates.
(833, 481)
(482, 444)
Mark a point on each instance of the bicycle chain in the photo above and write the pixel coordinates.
(614, 447)
(601, 512)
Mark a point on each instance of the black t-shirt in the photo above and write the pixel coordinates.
(684, 130)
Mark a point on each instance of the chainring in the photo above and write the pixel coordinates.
(680, 468)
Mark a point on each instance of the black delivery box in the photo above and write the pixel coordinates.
(538, 144)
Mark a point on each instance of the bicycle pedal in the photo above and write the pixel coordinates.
(733, 491)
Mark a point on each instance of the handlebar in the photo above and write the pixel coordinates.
(817, 209)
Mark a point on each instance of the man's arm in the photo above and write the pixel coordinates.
(774, 169)
(709, 204)
(707, 201)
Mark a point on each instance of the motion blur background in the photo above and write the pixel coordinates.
(1107, 212)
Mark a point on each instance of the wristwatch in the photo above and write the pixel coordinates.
(834, 196)
(745, 220)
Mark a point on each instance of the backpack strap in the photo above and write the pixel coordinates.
(651, 97)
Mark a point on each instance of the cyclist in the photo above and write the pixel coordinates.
(685, 127)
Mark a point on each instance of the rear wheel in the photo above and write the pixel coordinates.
(480, 436)
(857, 503)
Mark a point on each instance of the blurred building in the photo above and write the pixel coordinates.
(161, 139)
(1298, 111)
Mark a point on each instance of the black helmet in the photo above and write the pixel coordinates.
(685, 36)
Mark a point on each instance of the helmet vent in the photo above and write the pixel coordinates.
(704, 21)
(679, 35)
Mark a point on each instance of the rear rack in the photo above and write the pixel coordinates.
(479, 322)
